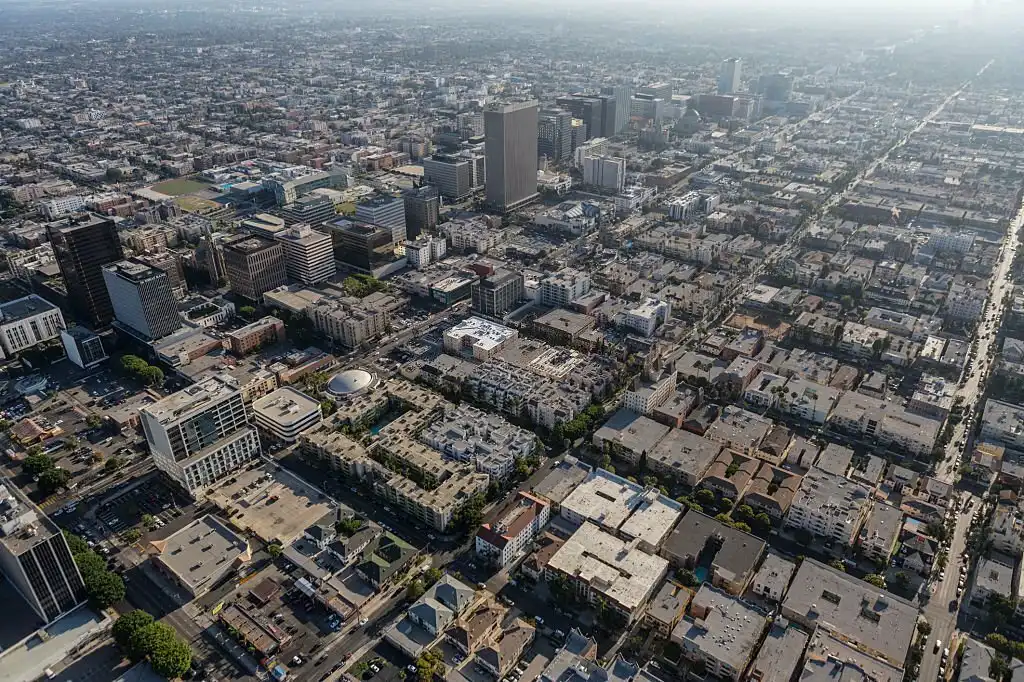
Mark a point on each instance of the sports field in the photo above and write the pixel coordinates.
(178, 186)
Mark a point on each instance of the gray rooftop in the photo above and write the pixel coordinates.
(27, 306)
(867, 615)
(780, 653)
(728, 630)
(737, 557)
(201, 552)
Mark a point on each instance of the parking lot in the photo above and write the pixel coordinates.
(273, 503)
(156, 499)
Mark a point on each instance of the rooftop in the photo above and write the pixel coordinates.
(27, 306)
(875, 620)
(484, 334)
(780, 653)
(189, 400)
(615, 503)
(722, 627)
(737, 553)
(131, 270)
(285, 406)
(617, 569)
(22, 524)
(201, 552)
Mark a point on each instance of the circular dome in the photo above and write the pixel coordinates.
(351, 381)
(30, 384)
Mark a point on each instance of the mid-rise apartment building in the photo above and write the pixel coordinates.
(201, 434)
(830, 506)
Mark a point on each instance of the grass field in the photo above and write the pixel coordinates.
(195, 204)
(178, 186)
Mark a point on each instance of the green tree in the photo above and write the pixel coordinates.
(53, 479)
(740, 525)
(415, 590)
(875, 579)
(94, 421)
(247, 311)
(76, 544)
(328, 407)
(90, 562)
(126, 630)
(148, 520)
(432, 575)
(37, 463)
(168, 654)
(103, 588)
(133, 364)
(430, 663)
(838, 565)
(705, 497)
(113, 464)
(132, 535)
(348, 527)
(274, 550)
(688, 578)
(34, 450)
(153, 376)
(764, 522)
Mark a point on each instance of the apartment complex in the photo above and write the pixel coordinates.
(829, 505)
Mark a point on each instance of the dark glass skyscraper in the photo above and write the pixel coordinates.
(82, 245)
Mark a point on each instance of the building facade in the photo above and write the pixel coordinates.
(35, 558)
(254, 266)
(82, 245)
(308, 254)
(142, 298)
(510, 133)
(26, 322)
(201, 434)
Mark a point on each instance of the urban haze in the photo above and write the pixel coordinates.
(493, 341)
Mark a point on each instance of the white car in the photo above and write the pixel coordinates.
(363, 621)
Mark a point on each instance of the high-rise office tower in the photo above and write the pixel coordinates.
(729, 76)
(554, 135)
(254, 266)
(510, 140)
(776, 87)
(142, 298)
(659, 90)
(589, 109)
(82, 245)
(450, 174)
(362, 246)
(384, 211)
(308, 254)
(499, 293)
(169, 262)
(422, 209)
(35, 558)
(622, 94)
(607, 172)
(201, 433)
